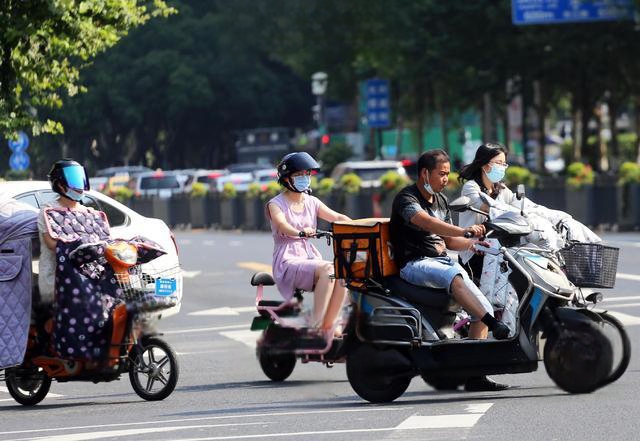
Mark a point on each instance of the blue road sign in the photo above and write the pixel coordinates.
(20, 144)
(19, 161)
(378, 103)
(526, 12)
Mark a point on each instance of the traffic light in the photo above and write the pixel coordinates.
(326, 139)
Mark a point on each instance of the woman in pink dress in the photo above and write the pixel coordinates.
(297, 263)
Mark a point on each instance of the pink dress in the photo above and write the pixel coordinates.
(294, 258)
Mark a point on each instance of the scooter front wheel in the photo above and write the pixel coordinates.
(378, 375)
(28, 386)
(622, 344)
(154, 370)
(579, 358)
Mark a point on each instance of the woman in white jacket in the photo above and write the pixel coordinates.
(483, 185)
(483, 175)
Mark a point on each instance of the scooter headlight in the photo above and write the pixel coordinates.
(122, 254)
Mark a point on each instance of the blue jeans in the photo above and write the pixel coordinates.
(439, 272)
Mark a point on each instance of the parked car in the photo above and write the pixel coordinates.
(124, 222)
(240, 181)
(98, 183)
(126, 170)
(263, 177)
(113, 183)
(369, 171)
(158, 183)
(246, 167)
(208, 177)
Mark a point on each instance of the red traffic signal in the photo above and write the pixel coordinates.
(325, 139)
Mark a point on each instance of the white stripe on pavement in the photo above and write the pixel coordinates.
(49, 395)
(624, 276)
(626, 319)
(214, 329)
(245, 337)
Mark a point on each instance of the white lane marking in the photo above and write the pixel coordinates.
(621, 299)
(49, 395)
(626, 319)
(235, 243)
(439, 421)
(628, 276)
(224, 311)
(184, 241)
(209, 242)
(625, 305)
(198, 353)
(245, 337)
(478, 407)
(191, 274)
(129, 432)
(214, 329)
(220, 417)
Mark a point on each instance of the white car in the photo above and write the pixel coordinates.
(124, 222)
(369, 171)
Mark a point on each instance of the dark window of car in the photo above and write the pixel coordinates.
(114, 216)
(158, 182)
(28, 198)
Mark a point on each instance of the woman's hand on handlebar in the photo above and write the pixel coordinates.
(307, 232)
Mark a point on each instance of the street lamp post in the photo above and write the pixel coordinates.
(319, 83)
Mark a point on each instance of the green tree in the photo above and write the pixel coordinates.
(45, 44)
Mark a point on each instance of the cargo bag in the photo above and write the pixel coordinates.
(362, 249)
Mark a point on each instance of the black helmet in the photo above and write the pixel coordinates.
(68, 174)
(293, 163)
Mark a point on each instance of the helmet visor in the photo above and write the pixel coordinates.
(76, 177)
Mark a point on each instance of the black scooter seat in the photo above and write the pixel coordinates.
(428, 297)
(262, 279)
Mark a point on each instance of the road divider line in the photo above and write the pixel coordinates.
(224, 311)
(255, 266)
(624, 276)
(625, 305)
(49, 395)
(245, 337)
(130, 432)
(620, 299)
(217, 417)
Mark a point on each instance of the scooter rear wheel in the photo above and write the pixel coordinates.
(154, 370)
(277, 367)
(28, 386)
(378, 375)
(579, 359)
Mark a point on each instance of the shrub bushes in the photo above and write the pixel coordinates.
(350, 183)
(579, 174)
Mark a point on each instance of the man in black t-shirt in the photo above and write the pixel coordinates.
(421, 232)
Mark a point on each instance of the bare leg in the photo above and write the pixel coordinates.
(322, 292)
(472, 305)
(335, 305)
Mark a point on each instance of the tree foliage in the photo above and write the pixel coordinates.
(44, 45)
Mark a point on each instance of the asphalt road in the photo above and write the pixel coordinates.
(223, 394)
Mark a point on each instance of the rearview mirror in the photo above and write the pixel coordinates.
(520, 191)
(460, 204)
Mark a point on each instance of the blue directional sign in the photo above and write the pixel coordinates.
(20, 144)
(526, 12)
(378, 103)
(19, 161)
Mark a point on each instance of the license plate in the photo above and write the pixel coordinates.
(165, 287)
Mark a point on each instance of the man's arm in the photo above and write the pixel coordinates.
(448, 231)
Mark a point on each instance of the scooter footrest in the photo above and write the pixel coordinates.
(280, 308)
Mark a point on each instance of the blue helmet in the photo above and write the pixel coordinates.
(67, 174)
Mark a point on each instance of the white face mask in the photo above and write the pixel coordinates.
(427, 187)
(73, 195)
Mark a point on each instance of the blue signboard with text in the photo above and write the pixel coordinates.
(526, 12)
(378, 103)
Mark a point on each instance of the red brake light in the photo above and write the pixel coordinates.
(158, 174)
(214, 175)
(406, 162)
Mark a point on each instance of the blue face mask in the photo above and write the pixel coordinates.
(302, 183)
(496, 173)
(73, 195)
